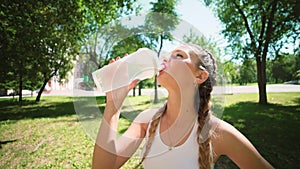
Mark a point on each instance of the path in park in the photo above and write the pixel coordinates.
(222, 90)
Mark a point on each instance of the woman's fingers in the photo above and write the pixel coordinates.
(111, 61)
(133, 84)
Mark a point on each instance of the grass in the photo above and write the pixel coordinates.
(43, 135)
(272, 128)
(49, 135)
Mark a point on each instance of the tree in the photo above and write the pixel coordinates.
(253, 26)
(44, 37)
(161, 20)
(18, 44)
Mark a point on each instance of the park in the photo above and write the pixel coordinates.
(48, 134)
(49, 50)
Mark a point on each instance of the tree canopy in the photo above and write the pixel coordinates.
(160, 22)
(251, 27)
(39, 39)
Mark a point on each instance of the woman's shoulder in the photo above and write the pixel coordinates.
(225, 136)
(146, 115)
(220, 125)
(223, 129)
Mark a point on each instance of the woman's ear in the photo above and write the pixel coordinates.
(202, 76)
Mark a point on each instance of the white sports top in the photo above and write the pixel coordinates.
(179, 157)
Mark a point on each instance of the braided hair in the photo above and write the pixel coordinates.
(207, 61)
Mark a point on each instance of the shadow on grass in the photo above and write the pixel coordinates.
(273, 129)
(6, 142)
(50, 107)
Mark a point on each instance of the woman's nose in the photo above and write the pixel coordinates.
(165, 57)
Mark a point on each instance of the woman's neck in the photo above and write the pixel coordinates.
(179, 118)
(181, 106)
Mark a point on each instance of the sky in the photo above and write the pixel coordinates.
(197, 15)
(194, 12)
(202, 18)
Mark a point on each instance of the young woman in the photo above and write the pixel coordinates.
(180, 134)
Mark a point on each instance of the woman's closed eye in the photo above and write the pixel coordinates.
(177, 56)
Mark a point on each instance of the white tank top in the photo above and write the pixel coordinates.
(180, 157)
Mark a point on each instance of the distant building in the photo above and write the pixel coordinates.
(76, 79)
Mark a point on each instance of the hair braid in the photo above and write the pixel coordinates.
(213, 70)
(152, 130)
(207, 61)
(203, 137)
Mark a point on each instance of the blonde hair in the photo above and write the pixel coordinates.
(205, 152)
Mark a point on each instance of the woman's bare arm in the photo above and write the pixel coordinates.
(110, 152)
(229, 141)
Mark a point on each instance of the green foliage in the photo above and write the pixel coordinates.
(231, 72)
(97, 48)
(118, 38)
(252, 27)
(246, 23)
(42, 38)
(208, 44)
(129, 45)
(284, 68)
(297, 75)
(112, 40)
(161, 20)
(247, 72)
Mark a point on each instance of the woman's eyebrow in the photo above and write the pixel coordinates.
(178, 50)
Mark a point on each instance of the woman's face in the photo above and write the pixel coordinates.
(180, 69)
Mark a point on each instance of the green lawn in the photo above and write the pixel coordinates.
(273, 128)
(48, 134)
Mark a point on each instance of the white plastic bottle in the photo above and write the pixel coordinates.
(141, 65)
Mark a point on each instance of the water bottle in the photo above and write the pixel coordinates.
(141, 65)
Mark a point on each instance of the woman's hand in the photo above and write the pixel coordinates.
(117, 96)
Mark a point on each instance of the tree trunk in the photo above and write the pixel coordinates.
(38, 97)
(140, 88)
(262, 61)
(262, 93)
(155, 80)
(20, 87)
(133, 92)
(261, 79)
(155, 90)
